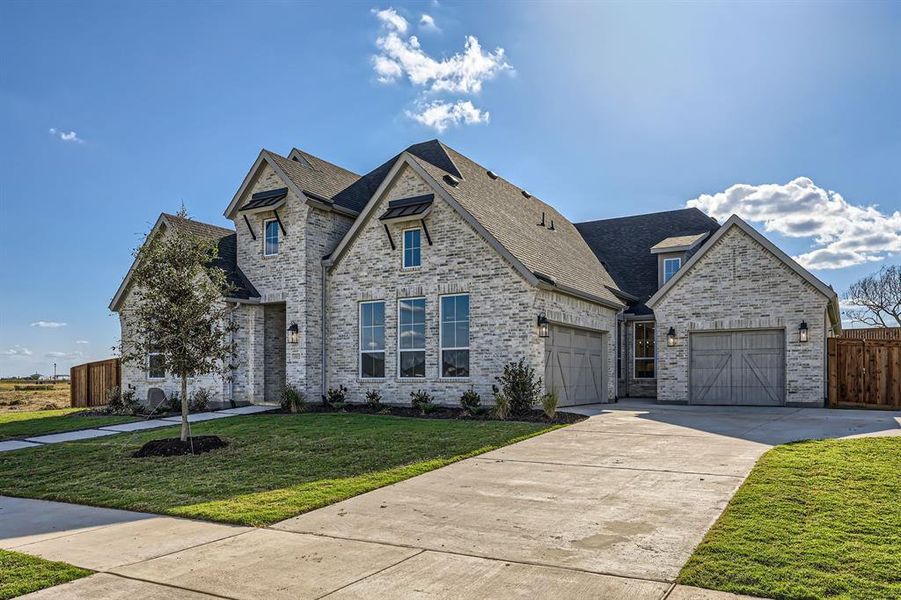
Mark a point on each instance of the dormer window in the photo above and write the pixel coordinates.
(412, 248)
(670, 266)
(270, 237)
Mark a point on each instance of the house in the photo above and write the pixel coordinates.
(431, 272)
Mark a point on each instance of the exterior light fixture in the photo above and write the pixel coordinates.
(544, 329)
(293, 333)
(671, 337)
(802, 331)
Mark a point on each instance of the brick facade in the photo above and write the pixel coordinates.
(739, 284)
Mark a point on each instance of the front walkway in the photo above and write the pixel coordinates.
(611, 507)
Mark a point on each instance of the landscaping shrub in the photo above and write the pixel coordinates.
(374, 399)
(520, 387)
(122, 403)
(293, 399)
(335, 396)
(173, 402)
(422, 401)
(501, 408)
(471, 401)
(549, 404)
(200, 400)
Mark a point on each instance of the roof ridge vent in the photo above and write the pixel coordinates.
(526, 194)
(451, 180)
(492, 174)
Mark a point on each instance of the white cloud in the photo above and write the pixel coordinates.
(17, 351)
(64, 355)
(66, 136)
(843, 234)
(427, 23)
(391, 20)
(440, 115)
(82, 342)
(48, 324)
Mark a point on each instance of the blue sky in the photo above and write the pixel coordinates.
(601, 109)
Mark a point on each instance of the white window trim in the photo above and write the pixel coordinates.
(360, 342)
(278, 237)
(441, 347)
(678, 259)
(403, 244)
(149, 376)
(635, 359)
(424, 341)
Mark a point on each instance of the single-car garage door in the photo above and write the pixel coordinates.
(738, 367)
(576, 365)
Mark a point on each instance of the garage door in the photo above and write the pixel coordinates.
(576, 365)
(738, 367)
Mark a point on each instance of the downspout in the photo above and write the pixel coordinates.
(619, 327)
(231, 375)
(324, 319)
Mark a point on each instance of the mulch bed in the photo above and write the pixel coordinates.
(175, 447)
(442, 412)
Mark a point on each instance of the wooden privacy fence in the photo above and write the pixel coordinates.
(90, 381)
(864, 373)
(873, 333)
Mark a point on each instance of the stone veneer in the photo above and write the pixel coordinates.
(503, 306)
(739, 284)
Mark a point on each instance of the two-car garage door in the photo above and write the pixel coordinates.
(576, 365)
(738, 367)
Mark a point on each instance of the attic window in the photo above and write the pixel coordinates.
(451, 180)
(492, 174)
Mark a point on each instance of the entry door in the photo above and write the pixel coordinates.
(738, 367)
(576, 365)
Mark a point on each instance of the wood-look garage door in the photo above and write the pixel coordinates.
(576, 365)
(738, 367)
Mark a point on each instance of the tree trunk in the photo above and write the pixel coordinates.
(184, 407)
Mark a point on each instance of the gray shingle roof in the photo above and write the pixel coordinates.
(513, 219)
(624, 245)
(227, 260)
(322, 178)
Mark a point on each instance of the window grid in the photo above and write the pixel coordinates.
(154, 368)
(411, 337)
(372, 340)
(670, 266)
(412, 248)
(270, 235)
(454, 336)
(645, 359)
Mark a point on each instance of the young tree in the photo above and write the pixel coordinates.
(177, 308)
(876, 299)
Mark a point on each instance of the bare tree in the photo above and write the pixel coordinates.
(875, 300)
(177, 310)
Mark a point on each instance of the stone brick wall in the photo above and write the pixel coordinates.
(738, 284)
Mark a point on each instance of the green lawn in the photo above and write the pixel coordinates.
(819, 519)
(275, 467)
(40, 422)
(21, 574)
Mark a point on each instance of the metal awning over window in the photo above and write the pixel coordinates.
(408, 208)
(269, 199)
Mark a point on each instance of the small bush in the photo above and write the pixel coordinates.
(293, 399)
(173, 402)
(335, 396)
(501, 408)
(470, 401)
(519, 385)
(549, 404)
(122, 403)
(422, 401)
(200, 400)
(374, 399)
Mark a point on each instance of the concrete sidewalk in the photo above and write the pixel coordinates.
(611, 508)
(87, 434)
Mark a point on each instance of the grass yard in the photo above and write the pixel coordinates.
(275, 467)
(37, 398)
(41, 422)
(818, 519)
(21, 574)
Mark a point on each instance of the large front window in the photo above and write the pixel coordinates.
(372, 340)
(412, 248)
(644, 351)
(270, 238)
(670, 266)
(411, 337)
(455, 336)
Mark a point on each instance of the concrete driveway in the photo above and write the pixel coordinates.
(611, 507)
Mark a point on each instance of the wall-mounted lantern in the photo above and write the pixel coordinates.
(802, 331)
(544, 328)
(671, 337)
(293, 333)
